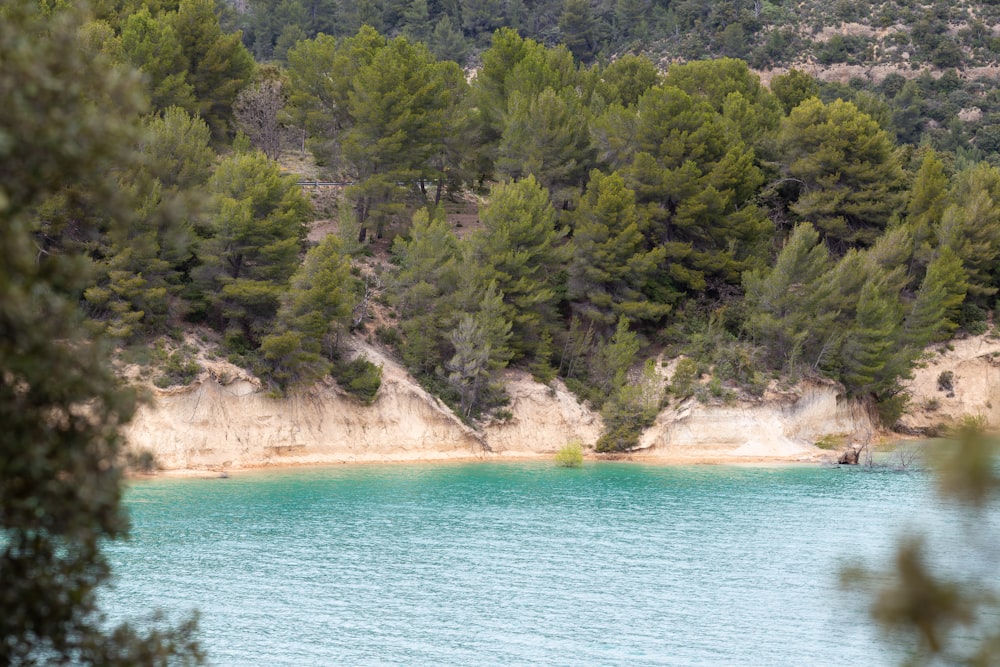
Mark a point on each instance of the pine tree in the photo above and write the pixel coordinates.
(150, 45)
(793, 88)
(787, 306)
(613, 273)
(694, 181)
(935, 309)
(928, 198)
(718, 82)
(580, 29)
(313, 314)
(218, 64)
(401, 106)
(548, 137)
(970, 226)
(866, 355)
(255, 231)
(627, 79)
(177, 151)
(467, 368)
(510, 65)
(851, 175)
(141, 261)
(521, 250)
(424, 290)
(447, 42)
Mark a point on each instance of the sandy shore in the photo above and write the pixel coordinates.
(638, 457)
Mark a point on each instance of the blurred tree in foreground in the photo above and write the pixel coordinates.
(68, 118)
(945, 618)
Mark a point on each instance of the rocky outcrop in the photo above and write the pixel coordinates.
(542, 419)
(782, 425)
(226, 420)
(954, 380)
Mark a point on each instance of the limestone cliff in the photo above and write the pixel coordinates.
(225, 420)
(781, 425)
(954, 380)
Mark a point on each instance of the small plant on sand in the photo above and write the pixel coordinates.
(832, 441)
(571, 455)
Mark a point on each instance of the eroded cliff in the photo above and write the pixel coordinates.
(224, 420)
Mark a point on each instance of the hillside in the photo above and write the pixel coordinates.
(562, 211)
(224, 420)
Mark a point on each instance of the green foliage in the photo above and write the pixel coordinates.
(570, 455)
(176, 148)
(694, 180)
(612, 274)
(359, 378)
(520, 249)
(402, 108)
(175, 368)
(69, 120)
(793, 88)
(253, 238)
(314, 312)
(630, 406)
(579, 28)
(627, 79)
(865, 354)
(218, 65)
(850, 173)
(625, 418)
(970, 226)
(728, 84)
(151, 45)
(547, 136)
(945, 381)
(424, 290)
(685, 378)
(787, 305)
(514, 65)
(935, 312)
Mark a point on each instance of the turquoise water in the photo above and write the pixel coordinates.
(521, 563)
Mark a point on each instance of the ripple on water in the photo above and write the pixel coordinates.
(512, 564)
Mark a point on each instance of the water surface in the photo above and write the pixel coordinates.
(521, 563)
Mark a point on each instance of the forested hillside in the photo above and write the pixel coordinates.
(622, 208)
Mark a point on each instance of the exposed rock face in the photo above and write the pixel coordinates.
(216, 424)
(972, 390)
(543, 419)
(225, 420)
(781, 426)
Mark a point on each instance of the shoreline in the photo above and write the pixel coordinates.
(665, 460)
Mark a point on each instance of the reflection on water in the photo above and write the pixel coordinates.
(525, 563)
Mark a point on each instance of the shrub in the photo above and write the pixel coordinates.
(626, 416)
(969, 426)
(682, 384)
(946, 381)
(359, 378)
(972, 319)
(570, 455)
(388, 336)
(891, 408)
(177, 368)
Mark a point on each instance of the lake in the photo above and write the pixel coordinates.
(523, 563)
